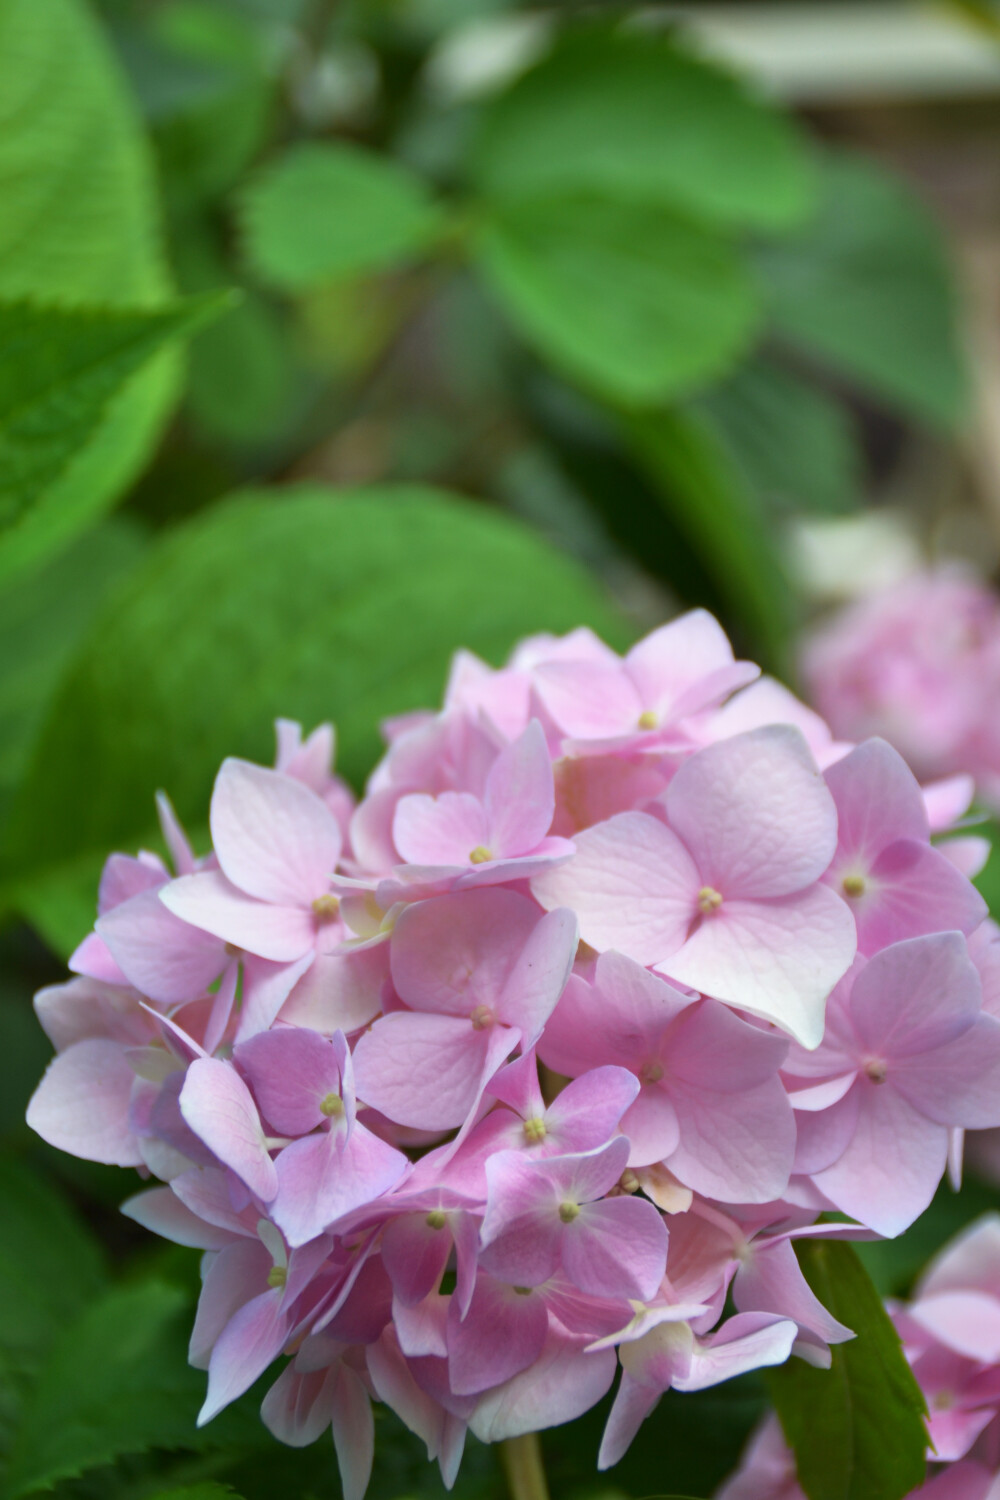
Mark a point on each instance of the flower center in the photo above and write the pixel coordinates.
(648, 720)
(331, 1105)
(436, 1219)
(480, 854)
(568, 1212)
(628, 1182)
(326, 908)
(534, 1130)
(709, 900)
(277, 1276)
(876, 1070)
(482, 1018)
(853, 886)
(652, 1072)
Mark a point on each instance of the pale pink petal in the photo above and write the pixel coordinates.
(222, 1008)
(218, 1107)
(970, 1260)
(957, 1083)
(85, 1007)
(651, 1126)
(750, 1341)
(632, 885)
(561, 1385)
(319, 1183)
(458, 951)
(823, 1137)
(394, 1384)
(208, 900)
(776, 959)
(678, 655)
(298, 1407)
(769, 1279)
(584, 1114)
(291, 1071)
(250, 1341)
(92, 959)
(589, 700)
(889, 1172)
(230, 1279)
(427, 1071)
(632, 1406)
(969, 855)
(966, 1321)
(915, 996)
(82, 1103)
(274, 838)
(738, 1147)
(539, 976)
(160, 1210)
(176, 840)
(913, 889)
(353, 1434)
(616, 1247)
(440, 830)
(519, 798)
(947, 800)
(878, 800)
(124, 877)
(755, 813)
(502, 1333)
(710, 1048)
(267, 986)
(162, 956)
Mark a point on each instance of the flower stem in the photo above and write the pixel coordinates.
(522, 1462)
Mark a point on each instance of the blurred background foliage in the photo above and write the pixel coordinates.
(338, 335)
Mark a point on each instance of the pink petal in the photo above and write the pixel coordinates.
(231, 1279)
(82, 1103)
(970, 1261)
(651, 1126)
(769, 1279)
(915, 996)
(539, 976)
(738, 1147)
(589, 699)
(676, 657)
(777, 959)
(274, 838)
(458, 951)
(339, 991)
(710, 1048)
(561, 1385)
(632, 885)
(428, 1071)
(616, 1247)
(208, 901)
(823, 1137)
(415, 1253)
(878, 800)
(395, 1385)
(632, 1405)
(217, 1105)
(92, 959)
(585, 1113)
(440, 830)
(245, 1348)
(162, 956)
(319, 1183)
(353, 1434)
(966, 1321)
(913, 889)
(160, 1210)
(959, 1082)
(889, 1172)
(267, 986)
(124, 877)
(945, 801)
(755, 813)
(519, 799)
(750, 1341)
(298, 1407)
(290, 1071)
(502, 1333)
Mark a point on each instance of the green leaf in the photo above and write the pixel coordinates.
(80, 225)
(631, 116)
(51, 1267)
(59, 369)
(867, 289)
(794, 445)
(116, 1382)
(633, 300)
(207, 1491)
(857, 1429)
(44, 614)
(709, 503)
(321, 211)
(311, 603)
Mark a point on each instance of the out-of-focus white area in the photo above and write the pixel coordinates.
(846, 51)
(821, 53)
(839, 559)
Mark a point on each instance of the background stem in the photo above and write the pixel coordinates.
(522, 1463)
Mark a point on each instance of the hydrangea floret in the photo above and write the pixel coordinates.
(622, 973)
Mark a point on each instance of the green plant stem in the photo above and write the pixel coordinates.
(522, 1463)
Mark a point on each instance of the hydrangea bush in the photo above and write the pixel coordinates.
(622, 977)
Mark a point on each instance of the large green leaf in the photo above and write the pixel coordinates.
(44, 614)
(857, 1429)
(206, 1491)
(634, 300)
(794, 444)
(708, 501)
(59, 369)
(79, 224)
(308, 603)
(867, 289)
(632, 116)
(116, 1382)
(321, 211)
